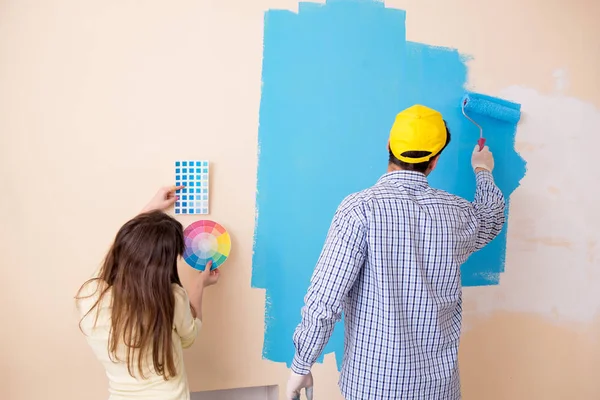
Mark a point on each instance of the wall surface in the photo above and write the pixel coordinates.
(98, 98)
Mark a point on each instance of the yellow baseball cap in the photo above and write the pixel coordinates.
(418, 128)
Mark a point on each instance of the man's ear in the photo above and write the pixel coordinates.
(433, 163)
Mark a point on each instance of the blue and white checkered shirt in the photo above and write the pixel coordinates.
(391, 263)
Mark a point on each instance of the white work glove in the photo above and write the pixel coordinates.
(298, 382)
(482, 159)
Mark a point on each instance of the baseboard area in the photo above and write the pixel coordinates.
(253, 393)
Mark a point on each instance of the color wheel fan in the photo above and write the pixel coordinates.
(206, 240)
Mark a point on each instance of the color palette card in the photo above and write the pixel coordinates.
(193, 199)
(206, 241)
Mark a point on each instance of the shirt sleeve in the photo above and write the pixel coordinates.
(336, 271)
(489, 207)
(185, 324)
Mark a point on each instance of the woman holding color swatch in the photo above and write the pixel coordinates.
(135, 313)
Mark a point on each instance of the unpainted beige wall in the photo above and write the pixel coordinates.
(98, 98)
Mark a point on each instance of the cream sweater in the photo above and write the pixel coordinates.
(123, 386)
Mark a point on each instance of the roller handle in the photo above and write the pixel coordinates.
(481, 143)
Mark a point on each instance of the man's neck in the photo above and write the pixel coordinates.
(394, 167)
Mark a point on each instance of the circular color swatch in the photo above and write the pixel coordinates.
(206, 240)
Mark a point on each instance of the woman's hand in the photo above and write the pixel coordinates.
(201, 280)
(163, 199)
(209, 277)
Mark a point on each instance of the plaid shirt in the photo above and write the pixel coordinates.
(391, 263)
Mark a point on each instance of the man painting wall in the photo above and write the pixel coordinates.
(391, 262)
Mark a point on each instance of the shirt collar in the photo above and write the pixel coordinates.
(408, 178)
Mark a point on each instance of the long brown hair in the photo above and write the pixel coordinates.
(139, 269)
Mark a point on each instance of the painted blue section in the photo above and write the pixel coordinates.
(334, 77)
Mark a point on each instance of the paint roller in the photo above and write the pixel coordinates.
(487, 106)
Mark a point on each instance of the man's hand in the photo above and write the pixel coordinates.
(482, 159)
(163, 199)
(298, 382)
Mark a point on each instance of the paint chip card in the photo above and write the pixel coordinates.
(193, 199)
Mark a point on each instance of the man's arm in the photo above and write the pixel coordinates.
(489, 203)
(337, 269)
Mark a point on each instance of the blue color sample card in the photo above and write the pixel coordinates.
(193, 198)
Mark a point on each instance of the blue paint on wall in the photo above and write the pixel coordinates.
(334, 77)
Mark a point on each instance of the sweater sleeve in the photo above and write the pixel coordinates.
(185, 324)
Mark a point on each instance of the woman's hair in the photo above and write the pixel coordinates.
(139, 271)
